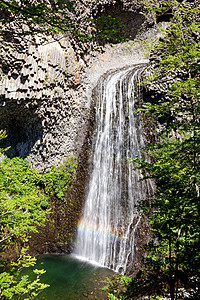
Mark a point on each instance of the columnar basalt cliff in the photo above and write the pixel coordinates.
(46, 84)
(43, 98)
(40, 108)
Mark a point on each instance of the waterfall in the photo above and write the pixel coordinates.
(106, 232)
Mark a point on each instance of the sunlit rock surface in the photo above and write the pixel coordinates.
(47, 82)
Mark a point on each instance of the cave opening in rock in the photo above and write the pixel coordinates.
(23, 128)
(130, 19)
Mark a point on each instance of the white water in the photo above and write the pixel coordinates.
(106, 233)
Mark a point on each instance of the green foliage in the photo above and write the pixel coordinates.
(117, 286)
(173, 260)
(174, 214)
(112, 297)
(44, 204)
(107, 28)
(20, 214)
(61, 16)
(24, 195)
(51, 16)
(20, 200)
(3, 135)
(57, 180)
(15, 285)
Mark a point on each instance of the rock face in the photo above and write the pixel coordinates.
(46, 84)
(46, 106)
(40, 108)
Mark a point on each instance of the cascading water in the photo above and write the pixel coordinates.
(106, 232)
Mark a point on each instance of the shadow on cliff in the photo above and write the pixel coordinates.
(130, 21)
(23, 128)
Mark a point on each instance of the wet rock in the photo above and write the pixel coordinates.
(46, 106)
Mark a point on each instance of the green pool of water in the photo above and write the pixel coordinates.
(71, 278)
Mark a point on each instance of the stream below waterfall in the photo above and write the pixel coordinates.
(71, 278)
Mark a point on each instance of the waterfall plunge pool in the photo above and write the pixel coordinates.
(71, 278)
